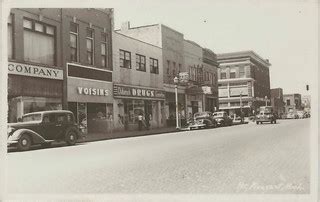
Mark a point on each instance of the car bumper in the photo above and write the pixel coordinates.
(11, 142)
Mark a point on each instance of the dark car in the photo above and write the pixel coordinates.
(222, 118)
(43, 128)
(266, 115)
(203, 120)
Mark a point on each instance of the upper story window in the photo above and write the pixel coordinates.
(74, 44)
(232, 72)
(125, 59)
(39, 42)
(223, 75)
(90, 46)
(104, 50)
(288, 102)
(10, 36)
(242, 72)
(154, 66)
(141, 62)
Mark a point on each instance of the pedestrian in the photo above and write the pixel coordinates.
(140, 120)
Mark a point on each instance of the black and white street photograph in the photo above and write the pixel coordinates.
(206, 100)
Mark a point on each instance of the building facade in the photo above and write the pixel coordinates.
(35, 66)
(65, 63)
(138, 83)
(171, 43)
(244, 82)
(277, 101)
(292, 102)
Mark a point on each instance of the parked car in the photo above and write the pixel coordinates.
(222, 118)
(292, 115)
(43, 128)
(300, 114)
(205, 118)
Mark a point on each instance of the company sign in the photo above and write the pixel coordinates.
(34, 71)
(119, 90)
(183, 77)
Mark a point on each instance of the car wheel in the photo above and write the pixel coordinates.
(24, 143)
(257, 122)
(275, 121)
(71, 137)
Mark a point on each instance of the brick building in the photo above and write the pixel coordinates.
(277, 101)
(243, 79)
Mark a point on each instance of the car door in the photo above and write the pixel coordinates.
(61, 125)
(48, 126)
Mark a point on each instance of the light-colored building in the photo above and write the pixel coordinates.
(243, 81)
(137, 82)
(292, 102)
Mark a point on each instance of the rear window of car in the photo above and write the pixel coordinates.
(31, 117)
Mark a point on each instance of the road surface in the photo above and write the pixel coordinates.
(250, 158)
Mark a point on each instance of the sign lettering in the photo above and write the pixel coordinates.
(93, 91)
(119, 90)
(34, 71)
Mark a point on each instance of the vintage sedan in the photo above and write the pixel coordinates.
(43, 128)
(222, 118)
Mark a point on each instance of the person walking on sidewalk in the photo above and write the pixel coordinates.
(140, 120)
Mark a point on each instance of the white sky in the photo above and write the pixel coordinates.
(283, 31)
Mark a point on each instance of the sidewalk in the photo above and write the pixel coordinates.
(123, 134)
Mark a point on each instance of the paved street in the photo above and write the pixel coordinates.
(247, 158)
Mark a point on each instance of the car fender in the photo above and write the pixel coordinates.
(36, 138)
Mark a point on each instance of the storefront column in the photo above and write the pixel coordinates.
(20, 108)
(159, 114)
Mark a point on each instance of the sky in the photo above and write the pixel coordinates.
(283, 31)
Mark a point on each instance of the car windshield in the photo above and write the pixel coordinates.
(219, 114)
(31, 117)
(200, 114)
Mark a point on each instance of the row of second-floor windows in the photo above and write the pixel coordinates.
(39, 43)
(125, 62)
(90, 46)
(172, 68)
(234, 72)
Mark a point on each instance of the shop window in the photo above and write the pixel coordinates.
(125, 59)
(39, 44)
(141, 62)
(10, 37)
(104, 51)
(74, 35)
(154, 66)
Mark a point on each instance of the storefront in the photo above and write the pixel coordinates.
(89, 95)
(33, 88)
(134, 101)
(170, 108)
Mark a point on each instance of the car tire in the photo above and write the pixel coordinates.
(257, 122)
(71, 137)
(275, 121)
(24, 142)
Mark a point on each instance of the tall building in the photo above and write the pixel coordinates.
(277, 101)
(61, 59)
(292, 102)
(244, 82)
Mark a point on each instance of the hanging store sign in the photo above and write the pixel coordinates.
(127, 91)
(207, 90)
(34, 71)
(184, 77)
